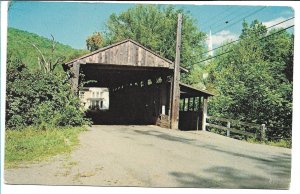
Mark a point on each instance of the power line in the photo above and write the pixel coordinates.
(217, 18)
(239, 38)
(252, 13)
(254, 41)
(215, 15)
(281, 22)
(229, 19)
(214, 56)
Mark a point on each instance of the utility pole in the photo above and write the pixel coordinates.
(176, 79)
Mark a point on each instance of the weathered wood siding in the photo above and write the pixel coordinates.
(126, 53)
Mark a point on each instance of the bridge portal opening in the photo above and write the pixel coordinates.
(134, 95)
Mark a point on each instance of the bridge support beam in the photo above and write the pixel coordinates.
(75, 77)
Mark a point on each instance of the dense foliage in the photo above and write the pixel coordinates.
(254, 81)
(41, 99)
(155, 27)
(20, 45)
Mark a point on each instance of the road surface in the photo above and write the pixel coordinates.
(150, 156)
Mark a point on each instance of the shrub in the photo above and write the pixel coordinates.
(41, 99)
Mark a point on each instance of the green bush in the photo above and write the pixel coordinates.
(40, 99)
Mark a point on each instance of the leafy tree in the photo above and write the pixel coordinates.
(255, 30)
(155, 27)
(95, 41)
(280, 48)
(253, 81)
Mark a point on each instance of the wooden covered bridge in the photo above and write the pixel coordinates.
(141, 87)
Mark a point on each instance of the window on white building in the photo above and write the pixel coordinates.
(81, 94)
(96, 104)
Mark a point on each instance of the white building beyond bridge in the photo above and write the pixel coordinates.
(94, 98)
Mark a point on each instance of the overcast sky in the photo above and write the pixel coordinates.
(71, 22)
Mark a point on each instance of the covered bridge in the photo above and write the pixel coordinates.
(140, 86)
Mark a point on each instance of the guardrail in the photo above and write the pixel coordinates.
(261, 128)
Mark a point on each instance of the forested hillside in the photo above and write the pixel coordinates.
(20, 46)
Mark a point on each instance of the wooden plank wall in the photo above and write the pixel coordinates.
(127, 53)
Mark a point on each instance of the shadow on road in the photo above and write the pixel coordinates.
(279, 166)
(226, 178)
(164, 136)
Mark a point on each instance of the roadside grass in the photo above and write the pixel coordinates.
(31, 144)
(279, 143)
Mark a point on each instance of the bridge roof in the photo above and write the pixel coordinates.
(127, 52)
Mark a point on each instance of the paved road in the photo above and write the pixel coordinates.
(150, 156)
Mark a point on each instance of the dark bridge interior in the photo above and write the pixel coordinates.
(136, 94)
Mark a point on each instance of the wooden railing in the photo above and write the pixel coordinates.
(260, 129)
